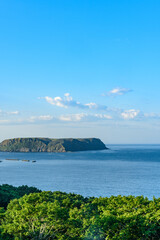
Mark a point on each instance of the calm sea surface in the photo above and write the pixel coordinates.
(124, 169)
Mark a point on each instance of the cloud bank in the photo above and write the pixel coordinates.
(77, 117)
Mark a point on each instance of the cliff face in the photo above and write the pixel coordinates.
(51, 145)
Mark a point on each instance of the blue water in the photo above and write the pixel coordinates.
(124, 170)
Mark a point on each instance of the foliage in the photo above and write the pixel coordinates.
(8, 192)
(62, 216)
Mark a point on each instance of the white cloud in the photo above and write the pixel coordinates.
(57, 101)
(118, 91)
(91, 105)
(68, 97)
(103, 116)
(40, 118)
(130, 114)
(73, 117)
(67, 101)
(83, 116)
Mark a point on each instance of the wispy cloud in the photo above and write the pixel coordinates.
(7, 117)
(118, 91)
(67, 101)
(6, 113)
(152, 115)
(40, 118)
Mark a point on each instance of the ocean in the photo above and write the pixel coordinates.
(121, 170)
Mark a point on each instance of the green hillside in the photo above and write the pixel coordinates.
(51, 145)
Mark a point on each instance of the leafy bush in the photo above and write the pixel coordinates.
(8, 192)
(62, 216)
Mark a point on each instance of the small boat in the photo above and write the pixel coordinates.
(33, 160)
(24, 160)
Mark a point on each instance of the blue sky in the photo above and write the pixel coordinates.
(80, 68)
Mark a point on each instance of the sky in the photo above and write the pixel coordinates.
(84, 68)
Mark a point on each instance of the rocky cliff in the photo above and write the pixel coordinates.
(51, 145)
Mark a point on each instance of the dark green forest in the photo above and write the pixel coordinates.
(27, 213)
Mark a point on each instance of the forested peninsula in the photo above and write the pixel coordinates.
(51, 145)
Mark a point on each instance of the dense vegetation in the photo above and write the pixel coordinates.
(62, 216)
(51, 145)
(8, 192)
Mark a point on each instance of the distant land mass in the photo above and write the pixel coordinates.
(51, 145)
